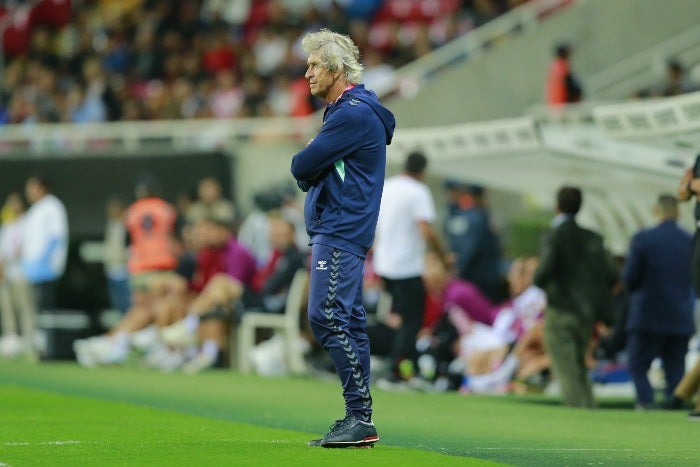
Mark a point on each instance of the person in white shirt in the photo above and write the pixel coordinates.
(16, 302)
(404, 230)
(45, 245)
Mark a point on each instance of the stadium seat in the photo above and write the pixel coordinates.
(287, 324)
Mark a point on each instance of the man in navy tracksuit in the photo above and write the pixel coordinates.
(342, 169)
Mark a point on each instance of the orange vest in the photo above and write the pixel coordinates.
(556, 82)
(151, 223)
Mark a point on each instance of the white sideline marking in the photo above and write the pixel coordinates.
(41, 443)
(556, 449)
(273, 441)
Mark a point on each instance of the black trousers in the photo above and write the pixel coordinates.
(696, 262)
(408, 297)
(643, 348)
(44, 296)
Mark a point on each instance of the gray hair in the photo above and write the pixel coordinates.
(338, 53)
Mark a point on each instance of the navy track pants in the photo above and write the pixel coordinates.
(339, 322)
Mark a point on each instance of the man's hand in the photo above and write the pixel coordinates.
(688, 185)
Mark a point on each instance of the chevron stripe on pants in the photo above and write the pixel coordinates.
(339, 322)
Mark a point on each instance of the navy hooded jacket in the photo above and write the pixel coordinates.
(343, 170)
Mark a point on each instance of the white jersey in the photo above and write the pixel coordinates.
(399, 246)
(46, 229)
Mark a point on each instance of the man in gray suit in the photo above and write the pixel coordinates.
(578, 276)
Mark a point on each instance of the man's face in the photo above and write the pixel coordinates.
(33, 190)
(320, 79)
(281, 234)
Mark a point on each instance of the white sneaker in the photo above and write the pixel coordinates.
(101, 350)
(154, 356)
(11, 346)
(178, 335)
(82, 353)
(199, 363)
(145, 339)
(172, 361)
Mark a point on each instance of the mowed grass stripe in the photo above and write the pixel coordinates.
(514, 430)
(44, 429)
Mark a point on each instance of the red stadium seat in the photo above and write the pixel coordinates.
(55, 13)
(17, 36)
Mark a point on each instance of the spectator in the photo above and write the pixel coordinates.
(16, 299)
(219, 294)
(254, 231)
(473, 241)
(676, 81)
(116, 256)
(660, 320)
(45, 242)
(123, 47)
(562, 85)
(267, 292)
(404, 228)
(482, 329)
(159, 306)
(211, 203)
(293, 212)
(379, 76)
(578, 276)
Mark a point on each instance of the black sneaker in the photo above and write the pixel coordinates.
(317, 442)
(694, 416)
(350, 432)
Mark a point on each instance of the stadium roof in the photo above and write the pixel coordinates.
(623, 156)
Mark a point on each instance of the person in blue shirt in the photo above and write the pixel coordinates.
(342, 171)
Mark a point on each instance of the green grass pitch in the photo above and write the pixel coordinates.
(57, 414)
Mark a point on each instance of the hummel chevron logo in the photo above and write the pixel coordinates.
(321, 265)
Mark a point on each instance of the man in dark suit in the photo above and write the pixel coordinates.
(660, 319)
(578, 276)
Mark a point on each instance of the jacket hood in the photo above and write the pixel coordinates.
(370, 98)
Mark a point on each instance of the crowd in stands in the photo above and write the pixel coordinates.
(105, 60)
